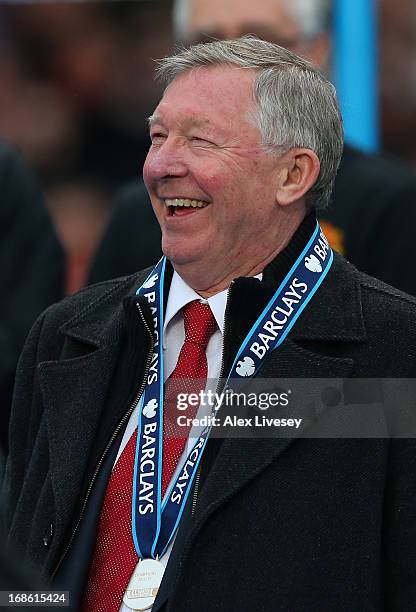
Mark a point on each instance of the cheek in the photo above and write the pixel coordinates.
(158, 212)
(223, 185)
(210, 179)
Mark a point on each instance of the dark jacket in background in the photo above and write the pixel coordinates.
(371, 221)
(374, 207)
(32, 267)
(132, 240)
(279, 524)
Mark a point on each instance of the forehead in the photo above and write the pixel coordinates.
(221, 94)
(233, 18)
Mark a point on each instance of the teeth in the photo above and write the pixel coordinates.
(186, 202)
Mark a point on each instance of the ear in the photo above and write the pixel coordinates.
(298, 172)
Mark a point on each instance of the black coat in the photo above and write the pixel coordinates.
(290, 524)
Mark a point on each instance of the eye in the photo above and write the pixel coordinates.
(203, 142)
(157, 137)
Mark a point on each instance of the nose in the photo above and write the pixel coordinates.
(166, 160)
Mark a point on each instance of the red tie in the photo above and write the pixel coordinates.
(189, 376)
(115, 557)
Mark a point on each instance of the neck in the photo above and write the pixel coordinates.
(207, 281)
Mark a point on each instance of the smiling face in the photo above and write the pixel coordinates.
(211, 182)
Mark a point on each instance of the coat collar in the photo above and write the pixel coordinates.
(335, 312)
(100, 322)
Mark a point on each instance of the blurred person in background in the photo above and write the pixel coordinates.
(398, 77)
(133, 237)
(32, 267)
(374, 197)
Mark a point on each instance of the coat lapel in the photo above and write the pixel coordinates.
(74, 390)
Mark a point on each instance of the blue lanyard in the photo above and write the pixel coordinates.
(154, 525)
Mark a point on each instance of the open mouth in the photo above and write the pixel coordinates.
(184, 206)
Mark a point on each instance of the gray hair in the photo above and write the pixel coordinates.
(296, 104)
(312, 16)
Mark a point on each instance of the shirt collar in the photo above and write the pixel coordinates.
(180, 294)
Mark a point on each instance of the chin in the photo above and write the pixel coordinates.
(181, 254)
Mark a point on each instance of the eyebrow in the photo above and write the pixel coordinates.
(187, 123)
(153, 119)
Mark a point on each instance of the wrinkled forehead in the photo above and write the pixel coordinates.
(218, 97)
(226, 84)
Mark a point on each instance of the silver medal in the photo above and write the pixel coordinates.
(144, 584)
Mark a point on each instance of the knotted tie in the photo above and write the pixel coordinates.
(115, 557)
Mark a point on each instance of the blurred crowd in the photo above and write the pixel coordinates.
(76, 87)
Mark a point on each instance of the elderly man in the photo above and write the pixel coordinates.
(103, 493)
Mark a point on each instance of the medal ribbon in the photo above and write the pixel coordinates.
(154, 525)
